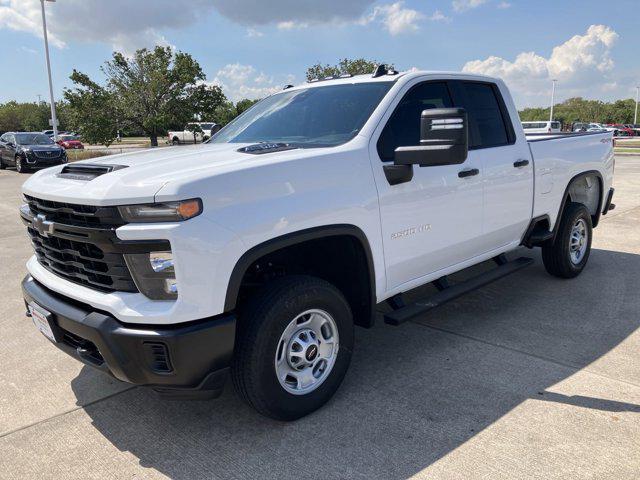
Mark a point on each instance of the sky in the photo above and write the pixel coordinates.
(252, 48)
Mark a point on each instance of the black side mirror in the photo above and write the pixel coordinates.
(444, 139)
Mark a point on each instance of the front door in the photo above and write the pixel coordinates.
(431, 222)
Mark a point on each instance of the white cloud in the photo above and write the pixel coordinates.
(124, 24)
(503, 5)
(438, 16)
(464, 5)
(291, 25)
(581, 65)
(253, 33)
(244, 81)
(397, 19)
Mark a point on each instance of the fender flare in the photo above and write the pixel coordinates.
(289, 239)
(565, 198)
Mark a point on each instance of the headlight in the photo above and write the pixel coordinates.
(162, 212)
(154, 274)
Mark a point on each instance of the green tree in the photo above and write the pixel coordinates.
(91, 110)
(149, 92)
(358, 66)
(582, 110)
(206, 101)
(26, 116)
(244, 104)
(153, 89)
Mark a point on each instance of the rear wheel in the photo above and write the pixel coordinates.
(293, 348)
(567, 256)
(175, 141)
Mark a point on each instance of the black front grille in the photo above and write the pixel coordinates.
(82, 262)
(81, 246)
(74, 214)
(48, 155)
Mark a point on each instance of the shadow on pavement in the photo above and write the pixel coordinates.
(413, 393)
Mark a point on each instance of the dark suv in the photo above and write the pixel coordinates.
(29, 151)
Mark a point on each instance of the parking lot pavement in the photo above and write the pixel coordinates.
(530, 377)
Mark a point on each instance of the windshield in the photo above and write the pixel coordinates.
(33, 139)
(312, 117)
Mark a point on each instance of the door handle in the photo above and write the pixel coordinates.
(520, 163)
(468, 173)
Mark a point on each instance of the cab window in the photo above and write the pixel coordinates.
(403, 127)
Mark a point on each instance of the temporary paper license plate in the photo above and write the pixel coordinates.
(42, 320)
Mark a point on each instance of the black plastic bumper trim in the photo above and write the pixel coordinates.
(200, 351)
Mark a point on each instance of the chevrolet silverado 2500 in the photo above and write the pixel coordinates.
(255, 254)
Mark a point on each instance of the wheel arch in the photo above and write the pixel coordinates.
(572, 193)
(364, 311)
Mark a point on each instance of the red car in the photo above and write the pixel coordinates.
(70, 142)
(622, 130)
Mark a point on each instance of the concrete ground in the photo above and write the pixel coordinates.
(530, 377)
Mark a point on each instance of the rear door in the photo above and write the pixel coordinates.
(432, 221)
(506, 162)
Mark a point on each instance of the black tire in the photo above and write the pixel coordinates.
(260, 327)
(2, 165)
(20, 168)
(557, 256)
(175, 141)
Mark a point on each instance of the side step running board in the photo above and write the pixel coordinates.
(449, 293)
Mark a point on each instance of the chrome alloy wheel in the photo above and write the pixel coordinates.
(307, 352)
(578, 241)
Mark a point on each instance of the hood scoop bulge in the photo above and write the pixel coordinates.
(266, 147)
(87, 171)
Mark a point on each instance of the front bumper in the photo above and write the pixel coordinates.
(33, 161)
(181, 361)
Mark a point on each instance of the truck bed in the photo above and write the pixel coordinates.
(559, 157)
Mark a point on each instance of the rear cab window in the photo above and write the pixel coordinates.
(489, 122)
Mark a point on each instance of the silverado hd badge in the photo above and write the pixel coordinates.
(411, 231)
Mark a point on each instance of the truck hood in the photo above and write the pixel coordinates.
(138, 176)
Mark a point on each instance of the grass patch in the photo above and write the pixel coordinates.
(75, 155)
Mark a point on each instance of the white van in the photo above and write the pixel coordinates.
(541, 127)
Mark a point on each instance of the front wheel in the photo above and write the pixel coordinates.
(2, 165)
(293, 347)
(20, 168)
(567, 256)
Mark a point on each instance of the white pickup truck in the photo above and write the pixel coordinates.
(194, 132)
(257, 254)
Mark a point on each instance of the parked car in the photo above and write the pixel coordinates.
(70, 142)
(29, 151)
(256, 254)
(203, 131)
(541, 127)
(623, 131)
(598, 127)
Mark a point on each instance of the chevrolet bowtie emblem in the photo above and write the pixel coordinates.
(42, 225)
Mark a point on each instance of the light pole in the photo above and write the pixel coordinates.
(635, 116)
(553, 95)
(54, 119)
